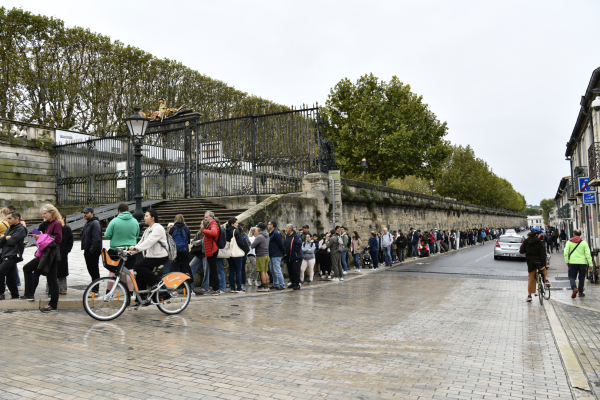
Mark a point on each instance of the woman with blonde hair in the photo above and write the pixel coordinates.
(3, 224)
(31, 271)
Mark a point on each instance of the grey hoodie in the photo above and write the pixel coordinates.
(308, 248)
(261, 244)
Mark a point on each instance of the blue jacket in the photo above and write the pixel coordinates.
(276, 247)
(293, 249)
(414, 240)
(373, 244)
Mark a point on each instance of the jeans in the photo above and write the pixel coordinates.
(431, 249)
(387, 254)
(194, 267)
(206, 270)
(275, 268)
(244, 259)
(401, 255)
(357, 260)
(7, 271)
(574, 270)
(344, 260)
(235, 273)
(32, 278)
(221, 273)
(414, 249)
(168, 268)
(375, 257)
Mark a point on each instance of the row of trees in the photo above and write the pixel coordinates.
(403, 142)
(72, 78)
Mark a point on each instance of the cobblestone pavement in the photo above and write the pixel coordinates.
(383, 335)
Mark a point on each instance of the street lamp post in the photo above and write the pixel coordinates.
(431, 182)
(137, 125)
(364, 163)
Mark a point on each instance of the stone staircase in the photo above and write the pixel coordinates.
(193, 212)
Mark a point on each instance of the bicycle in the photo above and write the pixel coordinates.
(172, 295)
(543, 292)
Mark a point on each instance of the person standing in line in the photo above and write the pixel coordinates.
(276, 252)
(578, 258)
(324, 255)
(336, 255)
(261, 246)
(122, 231)
(254, 279)
(211, 235)
(11, 246)
(30, 270)
(13, 208)
(483, 235)
(414, 241)
(345, 243)
(357, 249)
(4, 225)
(198, 252)
(308, 263)
(457, 239)
(91, 244)
(401, 243)
(235, 263)
(66, 246)
(386, 245)
(294, 255)
(246, 250)
(181, 236)
(305, 232)
(374, 249)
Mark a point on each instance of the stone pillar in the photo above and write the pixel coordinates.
(318, 186)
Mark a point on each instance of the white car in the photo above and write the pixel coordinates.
(507, 246)
(511, 232)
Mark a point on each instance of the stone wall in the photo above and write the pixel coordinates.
(26, 176)
(367, 207)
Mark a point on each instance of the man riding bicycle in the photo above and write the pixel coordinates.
(535, 254)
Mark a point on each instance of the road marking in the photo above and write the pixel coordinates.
(577, 378)
(479, 259)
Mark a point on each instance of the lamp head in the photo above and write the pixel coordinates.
(137, 124)
(596, 103)
(364, 162)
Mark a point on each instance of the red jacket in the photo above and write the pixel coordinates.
(211, 234)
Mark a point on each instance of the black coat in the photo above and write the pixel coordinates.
(65, 248)
(535, 253)
(91, 236)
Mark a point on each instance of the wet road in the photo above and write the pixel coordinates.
(415, 331)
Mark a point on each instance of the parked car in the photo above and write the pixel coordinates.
(511, 232)
(507, 246)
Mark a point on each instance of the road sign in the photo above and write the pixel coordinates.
(589, 198)
(584, 185)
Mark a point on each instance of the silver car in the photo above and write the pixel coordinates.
(507, 246)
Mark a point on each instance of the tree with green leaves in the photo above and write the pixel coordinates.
(547, 206)
(386, 123)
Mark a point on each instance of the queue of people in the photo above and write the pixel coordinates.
(254, 259)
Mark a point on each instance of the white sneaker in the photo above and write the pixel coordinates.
(345, 272)
(289, 284)
(359, 271)
(335, 279)
(193, 294)
(414, 258)
(250, 282)
(342, 279)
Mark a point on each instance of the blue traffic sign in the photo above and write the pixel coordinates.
(584, 185)
(589, 198)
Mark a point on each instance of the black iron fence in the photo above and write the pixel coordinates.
(185, 158)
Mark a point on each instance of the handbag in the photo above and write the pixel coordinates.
(225, 252)
(235, 249)
(198, 249)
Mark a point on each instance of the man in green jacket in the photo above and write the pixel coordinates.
(123, 231)
(578, 258)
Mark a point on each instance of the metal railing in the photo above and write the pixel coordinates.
(571, 189)
(186, 158)
(564, 212)
(594, 160)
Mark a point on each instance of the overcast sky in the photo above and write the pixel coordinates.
(507, 76)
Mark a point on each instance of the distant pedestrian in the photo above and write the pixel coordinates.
(374, 249)
(91, 244)
(357, 249)
(276, 253)
(181, 236)
(535, 255)
(335, 247)
(401, 243)
(308, 263)
(122, 231)
(66, 246)
(578, 258)
(294, 255)
(261, 246)
(386, 245)
(11, 246)
(324, 257)
(254, 278)
(414, 242)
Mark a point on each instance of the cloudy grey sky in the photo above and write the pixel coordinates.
(506, 75)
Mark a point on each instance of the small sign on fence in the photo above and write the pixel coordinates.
(122, 184)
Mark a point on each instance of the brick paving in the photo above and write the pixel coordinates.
(380, 336)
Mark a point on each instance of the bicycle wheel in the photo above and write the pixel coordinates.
(546, 292)
(540, 287)
(175, 302)
(99, 306)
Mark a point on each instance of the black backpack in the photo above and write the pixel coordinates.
(222, 240)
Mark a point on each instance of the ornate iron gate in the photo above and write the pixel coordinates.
(185, 158)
